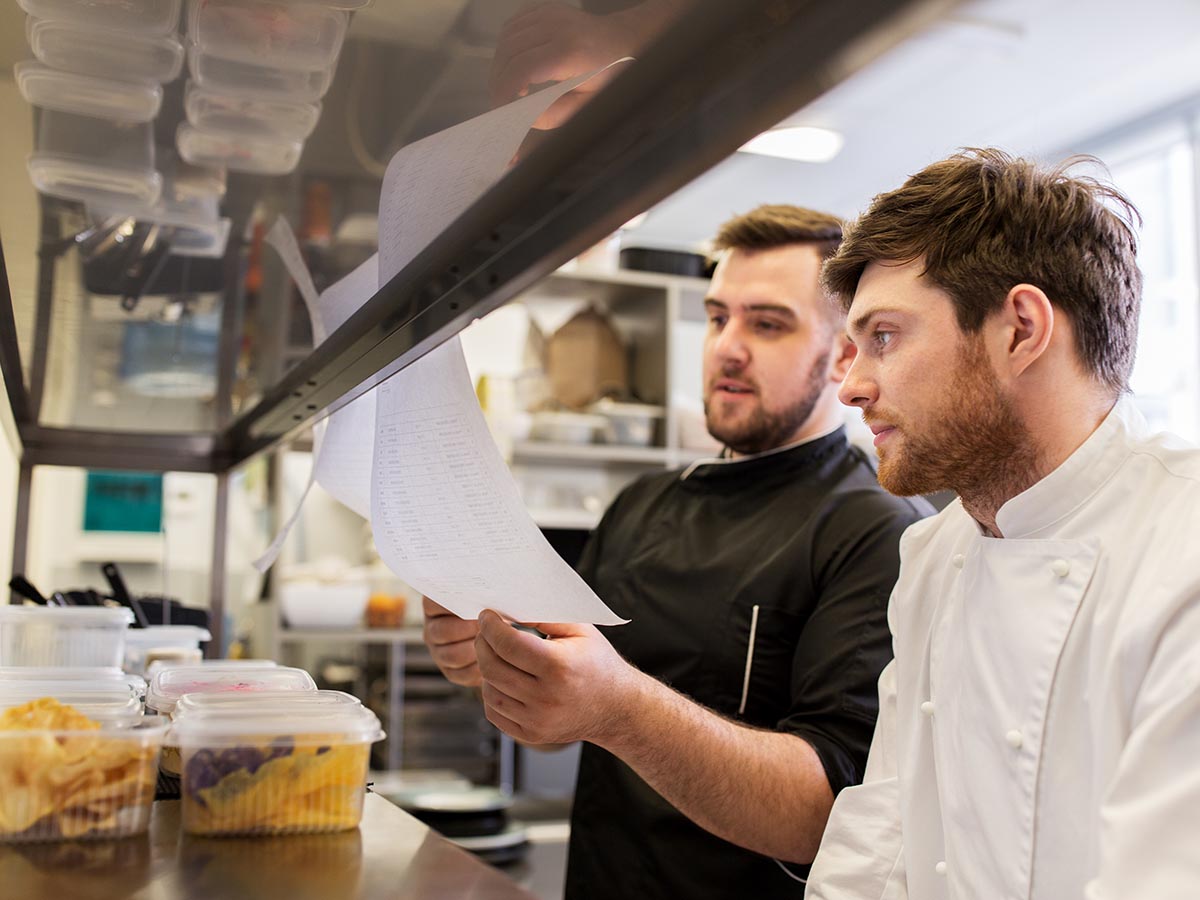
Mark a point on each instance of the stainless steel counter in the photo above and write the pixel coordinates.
(391, 855)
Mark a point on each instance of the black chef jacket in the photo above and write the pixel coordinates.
(806, 535)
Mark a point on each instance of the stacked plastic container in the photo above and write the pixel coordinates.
(258, 71)
(80, 759)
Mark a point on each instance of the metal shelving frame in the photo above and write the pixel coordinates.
(724, 72)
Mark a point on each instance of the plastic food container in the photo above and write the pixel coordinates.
(141, 644)
(234, 705)
(109, 677)
(119, 55)
(306, 36)
(266, 117)
(116, 706)
(88, 95)
(301, 768)
(138, 16)
(158, 665)
(239, 152)
(250, 79)
(566, 427)
(95, 160)
(632, 424)
(169, 684)
(63, 636)
(67, 777)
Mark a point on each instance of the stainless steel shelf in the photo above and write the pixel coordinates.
(359, 635)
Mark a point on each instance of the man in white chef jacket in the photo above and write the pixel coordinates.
(1039, 730)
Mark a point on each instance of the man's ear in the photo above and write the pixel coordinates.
(1027, 322)
(843, 355)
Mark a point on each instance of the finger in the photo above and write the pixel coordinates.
(449, 630)
(503, 674)
(566, 629)
(454, 656)
(469, 676)
(515, 69)
(505, 724)
(432, 608)
(524, 651)
(498, 700)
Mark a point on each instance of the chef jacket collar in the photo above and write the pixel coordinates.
(727, 463)
(1079, 476)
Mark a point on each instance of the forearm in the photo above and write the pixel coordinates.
(763, 790)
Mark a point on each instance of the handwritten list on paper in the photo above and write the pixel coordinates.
(447, 515)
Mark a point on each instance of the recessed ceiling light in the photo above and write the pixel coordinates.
(800, 142)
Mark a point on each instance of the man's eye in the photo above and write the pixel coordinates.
(716, 320)
(765, 325)
(883, 338)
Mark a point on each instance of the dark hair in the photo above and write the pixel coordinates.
(982, 222)
(779, 225)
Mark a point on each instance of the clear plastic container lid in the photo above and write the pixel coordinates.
(305, 36)
(112, 705)
(255, 116)
(168, 685)
(67, 616)
(88, 95)
(109, 54)
(238, 152)
(167, 635)
(331, 724)
(137, 16)
(299, 702)
(249, 79)
(88, 676)
(212, 664)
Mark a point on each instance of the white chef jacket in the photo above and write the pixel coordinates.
(1039, 730)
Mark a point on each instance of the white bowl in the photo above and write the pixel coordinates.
(324, 604)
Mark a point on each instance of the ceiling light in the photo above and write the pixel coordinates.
(800, 142)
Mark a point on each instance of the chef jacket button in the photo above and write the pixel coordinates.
(940, 868)
(927, 707)
(1061, 568)
(958, 561)
(1015, 739)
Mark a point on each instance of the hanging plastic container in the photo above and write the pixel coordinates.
(264, 117)
(250, 79)
(133, 16)
(305, 36)
(109, 54)
(238, 152)
(88, 95)
(95, 160)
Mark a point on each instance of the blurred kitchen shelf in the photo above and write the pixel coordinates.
(120, 547)
(366, 635)
(592, 453)
(579, 519)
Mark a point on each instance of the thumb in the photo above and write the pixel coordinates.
(564, 629)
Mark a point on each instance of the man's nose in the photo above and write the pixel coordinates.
(859, 388)
(730, 345)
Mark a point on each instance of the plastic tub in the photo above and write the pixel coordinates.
(63, 636)
(250, 79)
(304, 36)
(267, 117)
(66, 777)
(239, 152)
(632, 424)
(298, 770)
(143, 642)
(226, 705)
(118, 707)
(169, 684)
(137, 16)
(92, 676)
(88, 95)
(95, 160)
(153, 668)
(123, 56)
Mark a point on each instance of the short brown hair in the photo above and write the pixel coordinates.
(983, 221)
(779, 225)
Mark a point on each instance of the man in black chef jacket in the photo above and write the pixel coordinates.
(724, 718)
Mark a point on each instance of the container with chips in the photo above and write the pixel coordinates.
(280, 765)
(66, 776)
(63, 636)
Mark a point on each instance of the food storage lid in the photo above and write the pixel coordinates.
(304, 36)
(88, 95)
(167, 636)
(168, 685)
(68, 616)
(114, 54)
(268, 117)
(251, 79)
(115, 705)
(102, 676)
(258, 703)
(239, 152)
(140, 16)
(336, 723)
(212, 664)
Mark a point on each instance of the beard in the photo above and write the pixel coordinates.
(762, 430)
(977, 446)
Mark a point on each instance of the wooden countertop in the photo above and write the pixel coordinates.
(390, 855)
